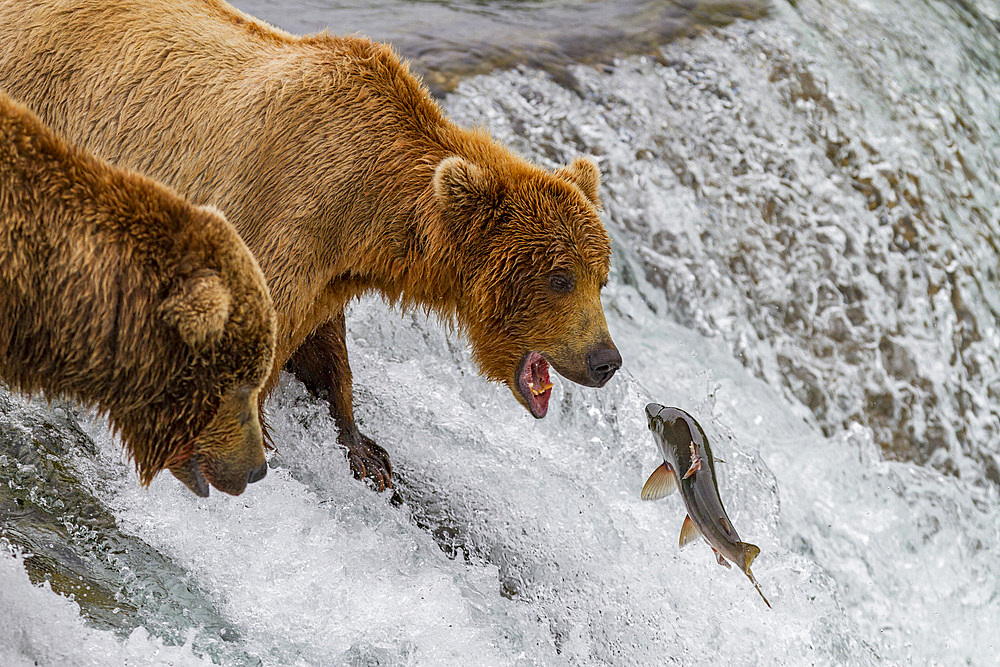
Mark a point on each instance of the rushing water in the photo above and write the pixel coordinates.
(805, 213)
(820, 193)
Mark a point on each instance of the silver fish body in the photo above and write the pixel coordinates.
(688, 464)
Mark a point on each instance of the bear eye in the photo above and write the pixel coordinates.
(562, 283)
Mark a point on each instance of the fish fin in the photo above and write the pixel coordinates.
(695, 462)
(750, 552)
(754, 582)
(660, 484)
(722, 561)
(689, 531)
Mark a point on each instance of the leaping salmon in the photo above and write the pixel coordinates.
(684, 447)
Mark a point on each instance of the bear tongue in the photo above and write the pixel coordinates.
(540, 403)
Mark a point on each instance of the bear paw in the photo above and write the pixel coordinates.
(368, 461)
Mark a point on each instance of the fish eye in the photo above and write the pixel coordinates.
(562, 283)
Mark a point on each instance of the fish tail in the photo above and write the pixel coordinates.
(757, 586)
(750, 552)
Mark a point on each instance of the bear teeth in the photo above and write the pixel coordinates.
(539, 391)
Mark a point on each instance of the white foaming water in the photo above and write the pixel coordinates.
(525, 542)
(820, 192)
(557, 560)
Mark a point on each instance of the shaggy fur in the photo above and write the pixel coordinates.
(117, 293)
(340, 172)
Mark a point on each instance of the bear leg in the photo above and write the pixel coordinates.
(321, 364)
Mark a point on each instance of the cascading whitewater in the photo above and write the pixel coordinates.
(820, 191)
(738, 179)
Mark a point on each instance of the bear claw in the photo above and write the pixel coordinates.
(369, 462)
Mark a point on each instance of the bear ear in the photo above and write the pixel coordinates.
(584, 174)
(459, 183)
(199, 309)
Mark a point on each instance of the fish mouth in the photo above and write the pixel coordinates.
(533, 383)
(653, 410)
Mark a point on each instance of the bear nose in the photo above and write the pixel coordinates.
(602, 364)
(257, 473)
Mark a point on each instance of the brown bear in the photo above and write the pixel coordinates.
(343, 176)
(118, 293)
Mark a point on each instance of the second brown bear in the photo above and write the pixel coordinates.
(118, 293)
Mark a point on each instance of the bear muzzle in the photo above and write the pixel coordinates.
(230, 477)
(602, 365)
(191, 475)
(258, 473)
(196, 479)
(590, 369)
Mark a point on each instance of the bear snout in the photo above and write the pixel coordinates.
(257, 474)
(189, 472)
(231, 475)
(602, 365)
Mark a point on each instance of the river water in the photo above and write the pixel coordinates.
(805, 213)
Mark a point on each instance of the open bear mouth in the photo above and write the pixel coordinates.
(533, 383)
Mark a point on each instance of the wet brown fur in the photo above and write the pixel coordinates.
(339, 170)
(116, 292)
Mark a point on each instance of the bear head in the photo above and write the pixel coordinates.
(225, 319)
(533, 256)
